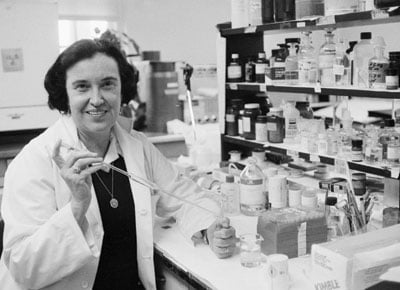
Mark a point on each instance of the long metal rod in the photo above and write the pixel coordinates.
(146, 182)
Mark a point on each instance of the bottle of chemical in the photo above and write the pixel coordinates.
(356, 150)
(252, 194)
(332, 217)
(347, 122)
(378, 65)
(292, 65)
(261, 65)
(305, 110)
(394, 58)
(285, 10)
(350, 54)
(363, 52)
(240, 123)
(389, 136)
(230, 193)
(261, 128)
(255, 17)
(267, 11)
(322, 144)
(308, 68)
(391, 79)
(277, 191)
(344, 144)
(251, 111)
(332, 141)
(326, 60)
(275, 125)
(341, 67)
(292, 117)
(232, 116)
(234, 73)
(250, 71)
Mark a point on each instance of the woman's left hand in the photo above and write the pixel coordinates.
(222, 238)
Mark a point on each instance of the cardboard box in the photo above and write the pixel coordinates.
(291, 231)
(355, 262)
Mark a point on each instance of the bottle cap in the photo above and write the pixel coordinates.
(252, 106)
(230, 178)
(261, 54)
(292, 40)
(356, 142)
(331, 200)
(365, 35)
(262, 118)
(389, 123)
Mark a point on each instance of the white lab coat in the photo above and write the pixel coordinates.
(44, 248)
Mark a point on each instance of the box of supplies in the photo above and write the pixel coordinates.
(355, 262)
(291, 231)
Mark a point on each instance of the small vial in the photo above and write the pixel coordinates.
(357, 150)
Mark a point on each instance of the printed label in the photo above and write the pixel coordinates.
(338, 69)
(234, 72)
(246, 124)
(230, 118)
(272, 127)
(252, 192)
(260, 68)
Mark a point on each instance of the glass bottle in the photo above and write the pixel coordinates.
(332, 137)
(261, 65)
(378, 65)
(341, 67)
(292, 117)
(363, 52)
(292, 65)
(390, 154)
(230, 196)
(252, 193)
(232, 116)
(275, 125)
(234, 71)
(326, 60)
(250, 71)
(307, 61)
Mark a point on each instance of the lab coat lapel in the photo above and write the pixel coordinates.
(133, 152)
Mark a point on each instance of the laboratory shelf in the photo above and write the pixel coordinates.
(295, 150)
(372, 17)
(303, 89)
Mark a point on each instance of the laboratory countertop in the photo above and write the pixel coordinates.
(201, 264)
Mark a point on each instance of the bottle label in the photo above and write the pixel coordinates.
(376, 72)
(240, 126)
(272, 127)
(260, 68)
(291, 130)
(393, 152)
(234, 72)
(338, 69)
(230, 118)
(252, 192)
(326, 61)
(246, 124)
(261, 132)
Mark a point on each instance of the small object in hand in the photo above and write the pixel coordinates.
(76, 169)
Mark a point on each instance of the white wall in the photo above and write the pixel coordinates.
(183, 30)
(31, 26)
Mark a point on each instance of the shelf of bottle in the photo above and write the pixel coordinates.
(316, 89)
(372, 17)
(295, 150)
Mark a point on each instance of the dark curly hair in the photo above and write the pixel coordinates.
(55, 80)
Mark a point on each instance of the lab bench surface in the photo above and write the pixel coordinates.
(201, 269)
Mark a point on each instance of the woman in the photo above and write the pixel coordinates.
(69, 222)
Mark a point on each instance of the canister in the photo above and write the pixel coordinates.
(275, 125)
(261, 128)
(251, 111)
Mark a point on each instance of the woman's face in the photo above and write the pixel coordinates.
(94, 92)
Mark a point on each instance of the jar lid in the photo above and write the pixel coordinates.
(235, 55)
(230, 178)
(365, 35)
(275, 110)
(357, 142)
(261, 54)
(331, 200)
(262, 118)
(252, 106)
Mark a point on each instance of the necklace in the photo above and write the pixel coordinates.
(113, 201)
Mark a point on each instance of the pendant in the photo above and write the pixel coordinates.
(114, 203)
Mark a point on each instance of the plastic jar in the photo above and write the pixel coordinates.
(359, 181)
(275, 125)
(231, 117)
(251, 111)
(261, 128)
(356, 150)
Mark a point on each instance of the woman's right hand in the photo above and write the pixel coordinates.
(76, 171)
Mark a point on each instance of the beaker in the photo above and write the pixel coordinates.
(250, 250)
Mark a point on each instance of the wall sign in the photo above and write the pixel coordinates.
(12, 59)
